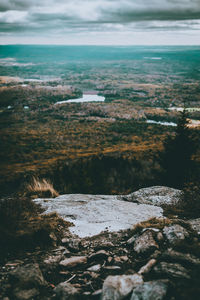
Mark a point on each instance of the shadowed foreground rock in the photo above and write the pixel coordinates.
(157, 259)
(152, 290)
(66, 291)
(26, 281)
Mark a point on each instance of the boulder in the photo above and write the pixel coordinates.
(175, 233)
(27, 277)
(155, 195)
(119, 287)
(145, 243)
(73, 261)
(66, 291)
(171, 270)
(151, 290)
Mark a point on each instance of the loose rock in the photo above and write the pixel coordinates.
(175, 233)
(152, 290)
(101, 254)
(95, 268)
(73, 261)
(147, 268)
(155, 195)
(118, 287)
(66, 291)
(145, 243)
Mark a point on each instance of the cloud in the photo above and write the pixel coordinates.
(50, 17)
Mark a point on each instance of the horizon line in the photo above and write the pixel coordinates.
(104, 45)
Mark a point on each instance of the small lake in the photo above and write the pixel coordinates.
(85, 98)
(161, 123)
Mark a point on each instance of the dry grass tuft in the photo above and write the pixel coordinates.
(42, 188)
(158, 223)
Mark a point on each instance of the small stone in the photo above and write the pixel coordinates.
(101, 254)
(195, 224)
(59, 249)
(66, 290)
(53, 237)
(145, 243)
(147, 268)
(156, 254)
(66, 252)
(74, 245)
(152, 290)
(160, 236)
(171, 270)
(121, 259)
(95, 268)
(53, 259)
(64, 240)
(86, 293)
(175, 233)
(73, 261)
(94, 275)
(118, 287)
(110, 259)
(104, 245)
(97, 293)
(112, 268)
(131, 240)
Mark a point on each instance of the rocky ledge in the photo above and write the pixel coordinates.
(92, 214)
(155, 259)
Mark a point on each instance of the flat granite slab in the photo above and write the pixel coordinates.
(92, 214)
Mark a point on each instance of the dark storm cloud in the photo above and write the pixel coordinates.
(98, 15)
(16, 4)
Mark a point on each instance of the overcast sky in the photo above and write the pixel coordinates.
(115, 22)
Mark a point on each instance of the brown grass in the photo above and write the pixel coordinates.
(158, 223)
(41, 187)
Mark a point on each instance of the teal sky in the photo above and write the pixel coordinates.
(100, 22)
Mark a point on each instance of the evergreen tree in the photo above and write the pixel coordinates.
(176, 159)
